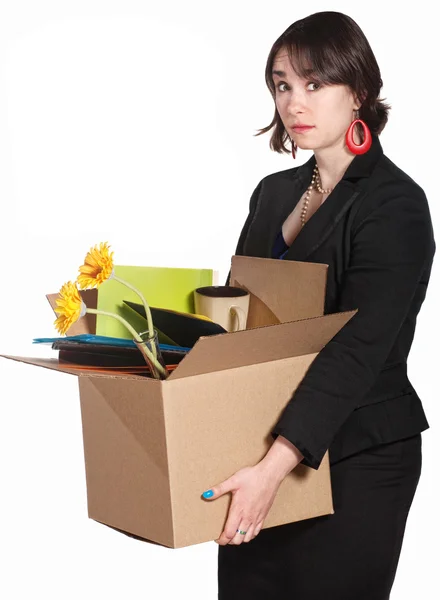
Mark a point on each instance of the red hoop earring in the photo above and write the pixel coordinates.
(349, 140)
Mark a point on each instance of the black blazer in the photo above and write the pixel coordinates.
(374, 231)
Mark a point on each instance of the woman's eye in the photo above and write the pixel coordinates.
(312, 86)
(313, 83)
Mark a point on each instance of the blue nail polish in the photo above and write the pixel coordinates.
(208, 494)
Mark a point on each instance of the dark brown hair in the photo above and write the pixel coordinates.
(332, 47)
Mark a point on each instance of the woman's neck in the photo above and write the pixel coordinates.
(332, 163)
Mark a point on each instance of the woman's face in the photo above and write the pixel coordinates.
(328, 109)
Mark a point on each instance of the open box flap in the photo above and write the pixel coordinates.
(261, 344)
(281, 290)
(87, 323)
(49, 363)
(55, 365)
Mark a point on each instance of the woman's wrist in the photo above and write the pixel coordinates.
(281, 458)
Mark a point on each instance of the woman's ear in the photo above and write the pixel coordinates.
(358, 100)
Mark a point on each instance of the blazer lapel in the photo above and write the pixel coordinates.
(321, 224)
(280, 196)
(285, 200)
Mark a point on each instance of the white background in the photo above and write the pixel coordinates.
(134, 123)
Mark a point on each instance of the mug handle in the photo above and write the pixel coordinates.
(240, 315)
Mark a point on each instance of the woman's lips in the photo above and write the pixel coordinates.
(302, 128)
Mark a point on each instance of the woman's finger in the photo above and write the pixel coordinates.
(258, 528)
(250, 533)
(231, 526)
(241, 532)
(220, 489)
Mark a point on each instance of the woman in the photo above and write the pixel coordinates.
(373, 228)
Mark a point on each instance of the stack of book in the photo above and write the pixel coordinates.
(178, 332)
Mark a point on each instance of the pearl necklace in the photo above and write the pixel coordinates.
(316, 183)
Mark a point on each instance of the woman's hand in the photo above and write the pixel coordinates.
(253, 492)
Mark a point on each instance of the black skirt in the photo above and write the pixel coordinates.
(350, 555)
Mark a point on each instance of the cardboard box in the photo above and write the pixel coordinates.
(152, 447)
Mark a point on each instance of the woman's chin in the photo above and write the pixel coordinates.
(305, 146)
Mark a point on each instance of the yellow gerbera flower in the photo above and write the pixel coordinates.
(70, 307)
(97, 267)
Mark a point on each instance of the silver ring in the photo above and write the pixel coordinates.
(241, 532)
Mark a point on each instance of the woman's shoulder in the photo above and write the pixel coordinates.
(283, 176)
(273, 185)
(390, 179)
(391, 193)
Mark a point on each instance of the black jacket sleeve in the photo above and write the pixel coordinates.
(390, 249)
(253, 203)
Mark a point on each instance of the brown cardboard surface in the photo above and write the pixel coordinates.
(220, 422)
(55, 365)
(258, 345)
(48, 363)
(152, 447)
(126, 456)
(281, 290)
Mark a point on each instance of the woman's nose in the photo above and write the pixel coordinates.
(297, 102)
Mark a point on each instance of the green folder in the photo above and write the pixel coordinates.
(165, 287)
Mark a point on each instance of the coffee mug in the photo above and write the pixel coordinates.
(226, 305)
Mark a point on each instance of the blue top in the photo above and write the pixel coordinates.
(279, 247)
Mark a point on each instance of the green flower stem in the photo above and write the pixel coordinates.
(144, 302)
(134, 333)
